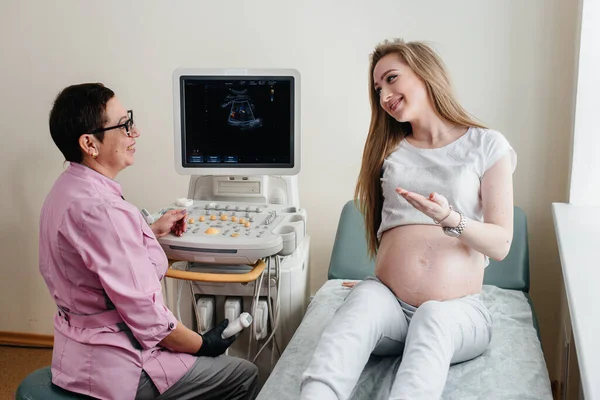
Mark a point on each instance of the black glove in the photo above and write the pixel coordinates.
(213, 344)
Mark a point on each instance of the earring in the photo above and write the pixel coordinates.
(94, 155)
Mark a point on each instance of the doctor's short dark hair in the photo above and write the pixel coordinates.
(78, 109)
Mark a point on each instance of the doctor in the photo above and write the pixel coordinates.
(113, 336)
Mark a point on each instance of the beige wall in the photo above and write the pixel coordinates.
(511, 61)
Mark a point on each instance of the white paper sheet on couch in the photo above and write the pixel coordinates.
(513, 366)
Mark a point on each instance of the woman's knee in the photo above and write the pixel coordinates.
(370, 308)
(429, 315)
(371, 292)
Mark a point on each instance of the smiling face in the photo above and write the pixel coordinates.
(402, 94)
(116, 151)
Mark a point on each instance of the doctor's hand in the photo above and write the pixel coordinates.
(171, 221)
(435, 206)
(213, 344)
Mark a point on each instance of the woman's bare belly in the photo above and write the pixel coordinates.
(420, 263)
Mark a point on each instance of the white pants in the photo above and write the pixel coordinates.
(373, 320)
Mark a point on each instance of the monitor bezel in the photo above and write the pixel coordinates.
(223, 170)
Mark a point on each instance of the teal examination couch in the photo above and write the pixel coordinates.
(512, 367)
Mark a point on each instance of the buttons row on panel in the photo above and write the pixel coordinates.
(227, 207)
(224, 216)
(234, 219)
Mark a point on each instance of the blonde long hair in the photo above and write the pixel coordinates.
(385, 133)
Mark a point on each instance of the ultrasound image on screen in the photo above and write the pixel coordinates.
(243, 121)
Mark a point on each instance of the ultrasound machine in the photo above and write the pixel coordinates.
(237, 134)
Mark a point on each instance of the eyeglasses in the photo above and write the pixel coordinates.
(128, 126)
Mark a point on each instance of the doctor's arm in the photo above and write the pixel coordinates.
(171, 221)
(182, 340)
(211, 343)
(112, 246)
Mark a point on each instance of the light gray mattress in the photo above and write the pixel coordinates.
(512, 367)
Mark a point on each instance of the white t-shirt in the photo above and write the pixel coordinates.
(454, 171)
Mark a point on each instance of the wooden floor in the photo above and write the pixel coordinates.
(16, 363)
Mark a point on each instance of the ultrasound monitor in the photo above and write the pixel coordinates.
(237, 122)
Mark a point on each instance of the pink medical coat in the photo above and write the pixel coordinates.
(103, 266)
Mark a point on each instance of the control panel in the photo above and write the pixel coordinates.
(236, 233)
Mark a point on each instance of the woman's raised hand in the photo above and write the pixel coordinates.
(435, 206)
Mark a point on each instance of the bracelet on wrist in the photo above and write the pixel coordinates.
(447, 215)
